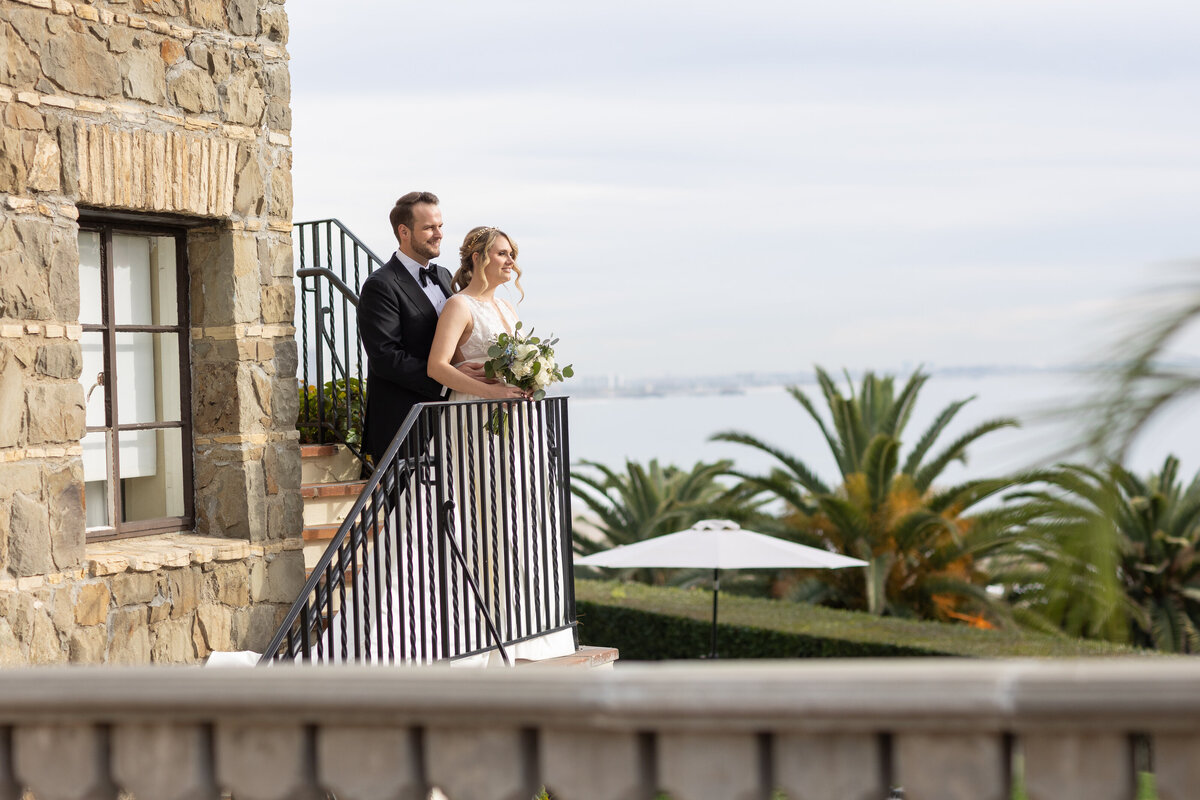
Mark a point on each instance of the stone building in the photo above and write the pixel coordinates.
(149, 464)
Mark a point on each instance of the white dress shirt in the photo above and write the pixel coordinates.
(431, 288)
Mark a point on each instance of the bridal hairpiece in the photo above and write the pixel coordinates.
(475, 237)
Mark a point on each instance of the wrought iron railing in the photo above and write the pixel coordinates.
(459, 545)
(332, 264)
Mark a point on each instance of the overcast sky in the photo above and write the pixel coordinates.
(708, 188)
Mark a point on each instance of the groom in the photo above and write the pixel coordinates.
(398, 310)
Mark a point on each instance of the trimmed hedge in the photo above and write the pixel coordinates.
(651, 623)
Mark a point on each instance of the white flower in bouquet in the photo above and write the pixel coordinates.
(525, 361)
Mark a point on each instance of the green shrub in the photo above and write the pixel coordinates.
(653, 623)
(344, 406)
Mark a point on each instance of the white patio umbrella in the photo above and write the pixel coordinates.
(718, 544)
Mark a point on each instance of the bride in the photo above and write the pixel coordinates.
(496, 462)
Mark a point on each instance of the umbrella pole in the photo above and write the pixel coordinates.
(716, 593)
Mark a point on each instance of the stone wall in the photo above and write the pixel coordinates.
(170, 601)
(158, 107)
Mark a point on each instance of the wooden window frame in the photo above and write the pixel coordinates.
(106, 226)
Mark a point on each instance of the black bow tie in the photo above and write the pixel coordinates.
(429, 272)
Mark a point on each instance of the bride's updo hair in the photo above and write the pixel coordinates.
(479, 242)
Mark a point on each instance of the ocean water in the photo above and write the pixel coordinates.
(676, 428)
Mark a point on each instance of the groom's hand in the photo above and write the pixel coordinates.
(474, 369)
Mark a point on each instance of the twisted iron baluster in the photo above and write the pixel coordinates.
(494, 522)
(534, 501)
(473, 504)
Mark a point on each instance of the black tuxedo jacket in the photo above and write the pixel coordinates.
(396, 322)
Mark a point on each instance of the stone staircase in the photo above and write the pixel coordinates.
(329, 478)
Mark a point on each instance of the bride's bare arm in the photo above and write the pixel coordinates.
(455, 318)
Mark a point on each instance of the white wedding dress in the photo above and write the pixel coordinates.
(495, 473)
(499, 477)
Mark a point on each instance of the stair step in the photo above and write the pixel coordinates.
(338, 489)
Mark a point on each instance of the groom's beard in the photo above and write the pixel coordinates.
(427, 250)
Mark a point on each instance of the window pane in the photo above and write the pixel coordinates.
(95, 476)
(91, 343)
(163, 273)
(147, 367)
(144, 285)
(89, 278)
(155, 487)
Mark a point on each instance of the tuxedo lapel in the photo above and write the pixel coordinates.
(412, 290)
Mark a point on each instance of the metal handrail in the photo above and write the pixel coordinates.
(437, 461)
(333, 344)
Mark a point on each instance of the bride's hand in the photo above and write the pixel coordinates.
(502, 391)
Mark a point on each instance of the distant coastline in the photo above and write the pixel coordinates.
(616, 386)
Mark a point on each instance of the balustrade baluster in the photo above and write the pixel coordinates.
(371, 762)
(482, 763)
(1078, 766)
(164, 761)
(710, 766)
(267, 761)
(1176, 765)
(949, 766)
(847, 766)
(595, 765)
(40, 752)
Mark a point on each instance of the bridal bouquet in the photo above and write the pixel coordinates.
(525, 361)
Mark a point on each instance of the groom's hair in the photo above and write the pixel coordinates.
(402, 212)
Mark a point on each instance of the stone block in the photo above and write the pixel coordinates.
(134, 588)
(194, 91)
(278, 578)
(80, 63)
(207, 14)
(55, 412)
(128, 636)
(11, 652)
(62, 610)
(183, 591)
(29, 551)
(12, 397)
(45, 647)
(215, 398)
(46, 168)
(285, 516)
(120, 39)
(22, 117)
(64, 491)
(166, 8)
(231, 583)
(171, 52)
(243, 17)
(26, 249)
(87, 645)
(20, 476)
(244, 100)
(18, 65)
(172, 642)
(281, 192)
(249, 197)
(212, 629)
(143, 75)
(274, 23)
(160, 608)
(59, 360)
(92, 604)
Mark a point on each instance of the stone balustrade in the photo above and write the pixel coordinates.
(944, 730)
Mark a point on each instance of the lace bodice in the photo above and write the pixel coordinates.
(487, 322)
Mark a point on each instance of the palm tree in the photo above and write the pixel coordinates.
(1110, 555)
(924, 553)
(647, 501)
